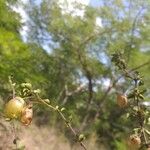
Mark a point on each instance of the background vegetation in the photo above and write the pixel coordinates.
(77, 72)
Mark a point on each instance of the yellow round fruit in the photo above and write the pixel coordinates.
(122, 100)
(14, 108)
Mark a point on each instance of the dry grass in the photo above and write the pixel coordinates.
(32, 137)
(39, 138)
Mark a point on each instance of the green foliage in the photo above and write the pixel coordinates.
(137, 111)
(78, 73)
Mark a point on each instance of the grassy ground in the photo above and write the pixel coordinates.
(38, 138)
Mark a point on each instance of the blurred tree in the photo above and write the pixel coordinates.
(78, 73)
(16, 57)
(81, 50)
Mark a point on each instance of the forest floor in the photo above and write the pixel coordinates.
(34, 137)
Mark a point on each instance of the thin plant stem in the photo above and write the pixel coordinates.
(64, 118)
(12, 86)
(15, 134)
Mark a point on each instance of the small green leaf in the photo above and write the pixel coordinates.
(62, 109)
(47, 100)
(141, 96)
(131, 95)
(7, 119)
(57, 107)
(70, 118)
(81, 137)
(28, 85)
(14, 84)
(141, 83)
(37, 91)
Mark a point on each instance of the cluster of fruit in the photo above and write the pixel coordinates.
(18, 109)
(134, 139)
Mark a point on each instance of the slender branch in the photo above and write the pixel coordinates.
(15, 134)
(103, 98)
(56, 108)
(68, 93)
(136, 94)
(71, 128)
(144, 135)
(12, 86)
(63, 117)
(140, 66)
(133, 28)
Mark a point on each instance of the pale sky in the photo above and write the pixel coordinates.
(24, 17)
(67, 7)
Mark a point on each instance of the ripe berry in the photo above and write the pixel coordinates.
(122, 100)
(14, 108)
